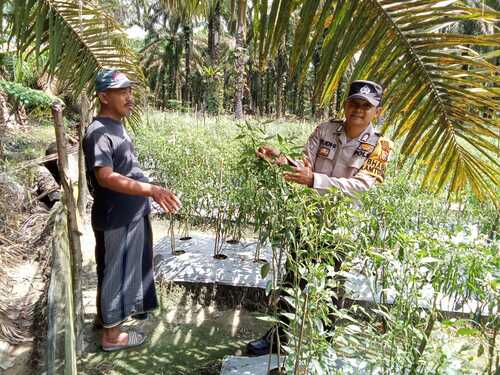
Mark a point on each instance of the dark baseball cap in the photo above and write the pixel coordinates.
(367, 90)
(111, 79)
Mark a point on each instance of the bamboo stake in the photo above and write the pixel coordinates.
(73, 231)
(171, 231)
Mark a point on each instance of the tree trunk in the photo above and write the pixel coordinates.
(186, 97)
(300, 104)
(214, 34)
(73, 231)
(21, 116)
(239, 62)
(280, 82)
(316, 108)
(269, 95)
(261, 91)
(172, 89)
(214, 88)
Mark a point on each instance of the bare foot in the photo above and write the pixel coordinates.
(114, 339)
(114, 336)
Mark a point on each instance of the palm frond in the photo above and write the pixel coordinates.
(79, 38)
(442, 95)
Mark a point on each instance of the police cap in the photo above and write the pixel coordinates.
(367, 90)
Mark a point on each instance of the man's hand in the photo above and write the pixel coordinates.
(165, 198)
(109, 179)
(271, 155)
(301, 175)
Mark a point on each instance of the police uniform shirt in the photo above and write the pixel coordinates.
(353, 166)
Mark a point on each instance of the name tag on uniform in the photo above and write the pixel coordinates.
(325, 147)
(323, 151)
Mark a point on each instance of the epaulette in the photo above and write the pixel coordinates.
(339, 123)
(334, 120)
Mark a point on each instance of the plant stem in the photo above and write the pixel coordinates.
(491, 348)
(425, 339)
(301, 335)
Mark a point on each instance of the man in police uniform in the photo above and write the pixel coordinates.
(348, 155)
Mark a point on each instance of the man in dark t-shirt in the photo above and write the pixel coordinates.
(121, 191)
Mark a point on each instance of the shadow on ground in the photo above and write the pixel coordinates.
(183, 338)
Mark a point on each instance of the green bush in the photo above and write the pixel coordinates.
(25, 95)
(408, 239)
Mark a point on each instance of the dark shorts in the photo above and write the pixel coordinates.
(125, 277)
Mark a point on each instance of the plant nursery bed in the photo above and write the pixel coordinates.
(240, 365)
(363, 289)
(198, 265)
(237, 278)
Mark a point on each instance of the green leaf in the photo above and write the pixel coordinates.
(79, 40)
(480, 350)
(467, 331)
(270, 319)
(264, 270)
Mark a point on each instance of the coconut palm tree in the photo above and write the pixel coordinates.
(161, 60)
(440, 98)
(186, 11)
(79, 38)
(214, 94)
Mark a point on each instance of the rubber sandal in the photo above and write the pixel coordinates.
(97, 324)
(141, 316)
(134, 339)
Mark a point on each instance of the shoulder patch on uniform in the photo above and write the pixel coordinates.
(386, 145)
(376, 163)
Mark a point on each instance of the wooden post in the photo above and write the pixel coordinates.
(82, 178)
(73, 231)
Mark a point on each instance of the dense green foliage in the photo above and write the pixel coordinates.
(26, 96)
(422, 250)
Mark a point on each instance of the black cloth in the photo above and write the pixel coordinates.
(125, 280)
(107, 144)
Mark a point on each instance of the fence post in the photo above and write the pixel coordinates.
(73, 231)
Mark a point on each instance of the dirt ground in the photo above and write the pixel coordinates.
(184, 337)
